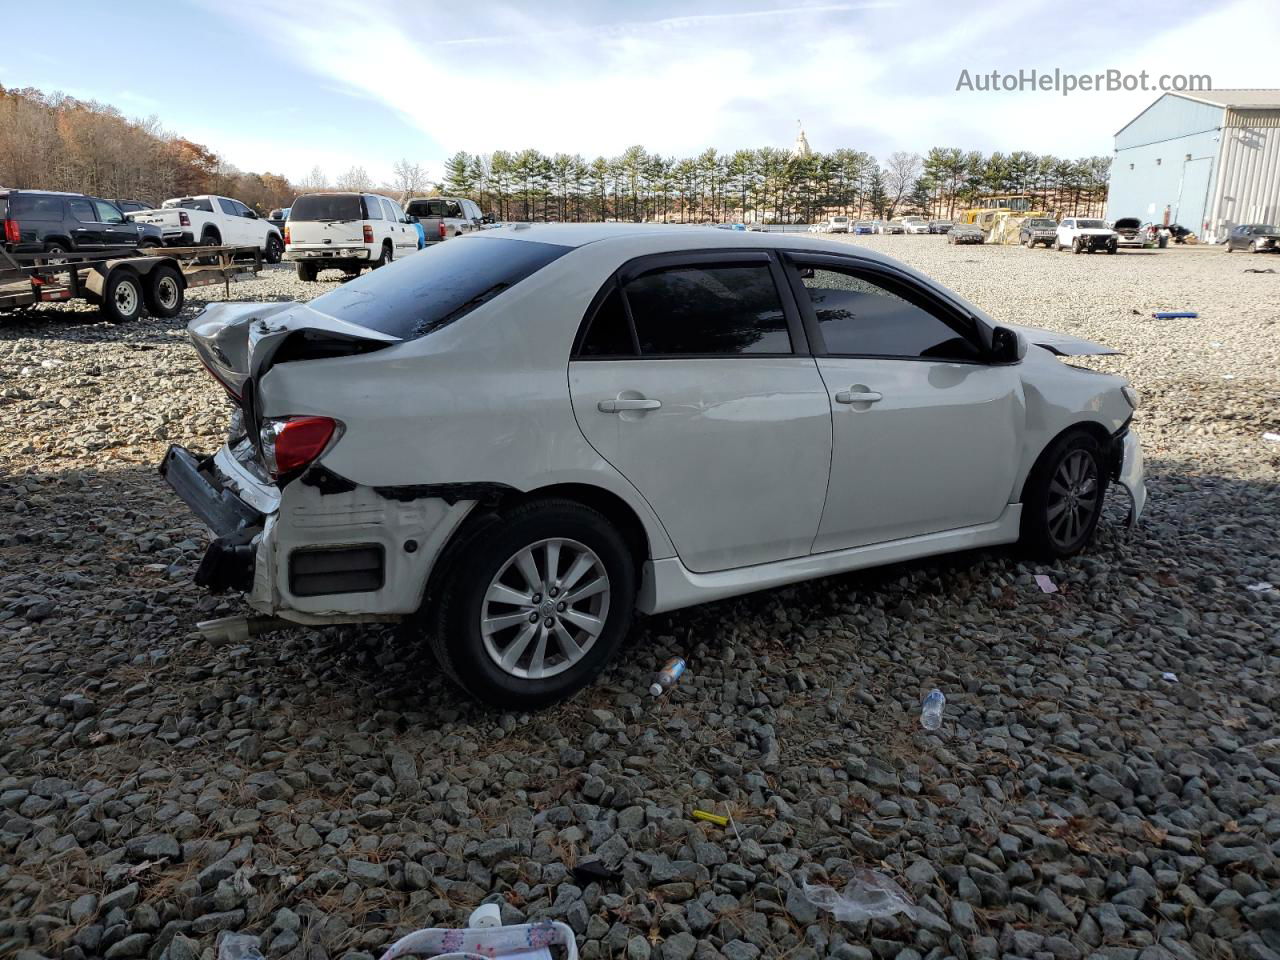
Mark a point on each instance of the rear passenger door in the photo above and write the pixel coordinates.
(692, 378)
(404, 236)
(87, 231)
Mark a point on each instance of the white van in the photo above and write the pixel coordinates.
(346, 231)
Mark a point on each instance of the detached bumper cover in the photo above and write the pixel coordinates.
(228, 564)
(1131, 475)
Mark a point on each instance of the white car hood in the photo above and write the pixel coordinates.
(1062, 344)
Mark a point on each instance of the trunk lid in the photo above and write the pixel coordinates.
(238, 342)
(329, 233)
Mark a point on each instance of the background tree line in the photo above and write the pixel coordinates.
(767, 185)
(55, 142)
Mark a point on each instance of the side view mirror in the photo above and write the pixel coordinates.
(1007, 346)
(410, 219)
(251, 215)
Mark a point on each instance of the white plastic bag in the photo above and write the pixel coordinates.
(868, 896)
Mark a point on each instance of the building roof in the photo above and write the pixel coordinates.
(1251, 98)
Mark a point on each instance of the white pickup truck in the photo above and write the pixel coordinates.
(210, 220)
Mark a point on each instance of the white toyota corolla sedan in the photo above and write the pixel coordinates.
(515, 440)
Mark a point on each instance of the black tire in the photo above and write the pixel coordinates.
(1059, 516)
(210, 238)
(165, 292)
(306, 271)
(275, 249)
(1077, 246)
(122, 298)
(383, 258)
(148, 245)
(451, 614)
(1112, 247)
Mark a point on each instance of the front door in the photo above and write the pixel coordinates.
(693, 382)
(925, 433)
(87, 231)
(116, 231)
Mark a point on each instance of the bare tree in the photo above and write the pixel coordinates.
(357, 179)
(408, 179)
(313, 181)
(900, 174)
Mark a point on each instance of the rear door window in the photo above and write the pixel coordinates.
(327, 206)
(82, 210)
(390, 211)
(419, 295)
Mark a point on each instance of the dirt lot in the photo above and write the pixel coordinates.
(326, 791)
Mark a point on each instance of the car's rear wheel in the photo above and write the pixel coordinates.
(532, 607)
(54, 254)
(1062, 500)
(384, 257)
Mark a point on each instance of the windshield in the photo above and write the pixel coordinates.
(1091, 225)
(420, 294)
(1050, 224)
(327, 206)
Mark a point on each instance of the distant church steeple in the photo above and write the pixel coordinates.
(801, 147)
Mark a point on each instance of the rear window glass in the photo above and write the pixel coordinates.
(420, 294)
(426, 208)
(35, 207)
(327, 206)
(187, 203)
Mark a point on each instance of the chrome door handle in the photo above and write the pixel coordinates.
(858, 396)
(617, 406)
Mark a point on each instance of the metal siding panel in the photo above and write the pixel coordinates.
(1249, 185)
(1150, 186)
(1252, 118)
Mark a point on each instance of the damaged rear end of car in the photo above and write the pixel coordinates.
(302, 541)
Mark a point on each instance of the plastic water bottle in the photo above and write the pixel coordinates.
(931, 711)
(667, 676)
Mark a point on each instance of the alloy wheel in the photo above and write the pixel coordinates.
(1073, 499)
(545, 608)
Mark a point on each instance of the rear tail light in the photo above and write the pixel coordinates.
(183, 219)
(290, 443)
(286, 235)
(12, 232)
(441, 225)
(368, 233)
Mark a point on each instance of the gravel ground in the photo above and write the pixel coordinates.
(326, 791)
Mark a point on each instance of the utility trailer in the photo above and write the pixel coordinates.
(123, 282)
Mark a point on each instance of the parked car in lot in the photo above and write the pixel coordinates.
(1035, 230)
(1129, 232)
(864, 227)
(939, 226)
(444, 217)
(687, 416)
(913, 224)
(346, 231)
(1085, 235)
(1254, 237)
(42, 221)
(838, 224)
(209, 220)
(278, 218)
(966, 233)
(889, 226)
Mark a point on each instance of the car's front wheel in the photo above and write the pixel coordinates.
(532, 604)
(1062, 500)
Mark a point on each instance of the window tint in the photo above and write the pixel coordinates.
(418, 295)
(188, 203)
(82, 210)
(708, 311)
(859, 317)
(390, 211)
(453, 208)
(26, 206)
(327, 206)
(610, 333)
(107, 213)
(373, 208)
(426, 208)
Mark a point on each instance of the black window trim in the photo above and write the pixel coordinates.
(639, 266)
(964, 324)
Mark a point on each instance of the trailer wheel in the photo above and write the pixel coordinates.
(122, 298)
(165, 292)
(306, 271)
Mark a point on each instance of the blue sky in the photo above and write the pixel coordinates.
(284, 86)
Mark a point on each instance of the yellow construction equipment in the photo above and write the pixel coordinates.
(1000, 216)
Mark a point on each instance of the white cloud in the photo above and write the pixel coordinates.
(874, 76)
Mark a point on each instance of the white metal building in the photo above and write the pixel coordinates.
(1209, 160)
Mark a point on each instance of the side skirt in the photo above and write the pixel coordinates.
(669, 585)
